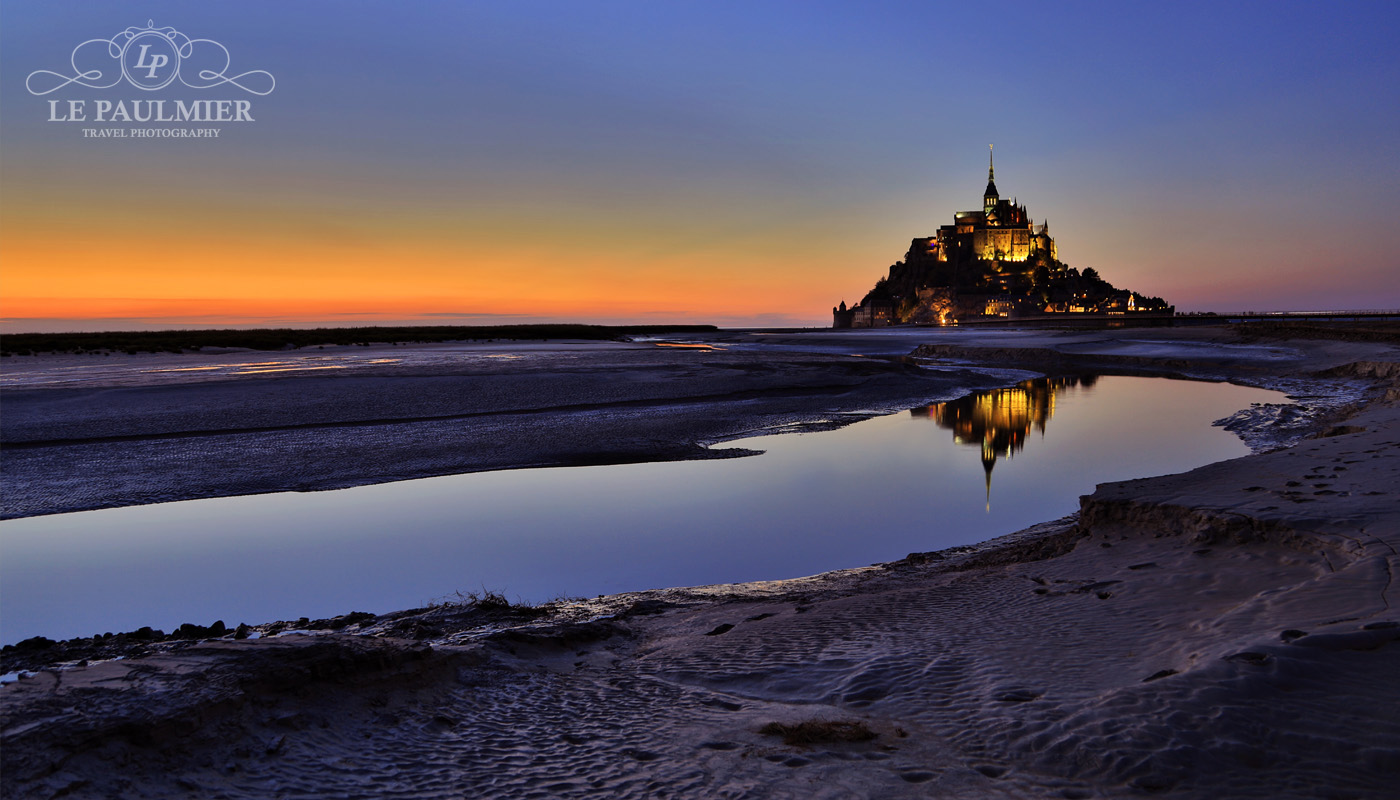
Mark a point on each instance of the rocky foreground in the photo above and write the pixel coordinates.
(1233, 631)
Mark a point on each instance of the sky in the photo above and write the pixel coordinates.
(733, 163)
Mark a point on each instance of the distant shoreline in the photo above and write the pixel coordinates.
(179, 341)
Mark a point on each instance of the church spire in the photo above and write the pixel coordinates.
(989, 197)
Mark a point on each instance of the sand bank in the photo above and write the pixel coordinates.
(1226, 632)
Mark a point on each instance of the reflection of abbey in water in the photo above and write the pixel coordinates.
(998, 420)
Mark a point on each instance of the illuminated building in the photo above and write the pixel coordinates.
(1001, 231)
(989, 263)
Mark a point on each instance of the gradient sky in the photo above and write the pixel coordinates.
(726, 162)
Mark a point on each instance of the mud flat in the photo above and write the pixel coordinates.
(1232, 631)
(88, 432)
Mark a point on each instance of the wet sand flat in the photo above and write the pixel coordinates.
(163, 428)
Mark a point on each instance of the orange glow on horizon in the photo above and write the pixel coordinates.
(193, 266)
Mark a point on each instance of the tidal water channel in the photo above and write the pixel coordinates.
(948, 474)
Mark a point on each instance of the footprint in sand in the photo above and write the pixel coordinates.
(715, 702)
(917, 776)
(1250, 657)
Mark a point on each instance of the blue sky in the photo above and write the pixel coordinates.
(737, 162)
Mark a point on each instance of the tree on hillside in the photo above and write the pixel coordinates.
(1040, 278)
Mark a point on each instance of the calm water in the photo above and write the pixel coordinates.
(874, 491)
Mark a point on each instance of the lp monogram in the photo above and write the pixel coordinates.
(156, 61)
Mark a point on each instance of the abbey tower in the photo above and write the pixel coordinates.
(1001, 231)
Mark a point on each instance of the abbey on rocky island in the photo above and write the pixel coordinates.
(995, 262)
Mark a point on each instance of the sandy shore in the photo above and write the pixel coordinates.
(1231, 631)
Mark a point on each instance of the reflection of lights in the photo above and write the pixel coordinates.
(258, 367)
(688, 346)
(284, 369)
(997, 421)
